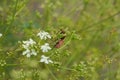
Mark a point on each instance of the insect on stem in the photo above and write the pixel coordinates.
(61, 41)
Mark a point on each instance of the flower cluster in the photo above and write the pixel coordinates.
(45, 47)
(29, 47)
(28, 43)
(45, 59)
(43, 36)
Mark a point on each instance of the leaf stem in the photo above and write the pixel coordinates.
(51, 73)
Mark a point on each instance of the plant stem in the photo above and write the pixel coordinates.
(51, 73)
(13, 17)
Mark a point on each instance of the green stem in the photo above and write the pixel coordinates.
(51, 73)
(99, 22)
(69, 69)
(13, 17)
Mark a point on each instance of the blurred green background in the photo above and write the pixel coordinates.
(97, 22)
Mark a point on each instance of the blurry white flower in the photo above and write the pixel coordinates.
(0, 35)
(45, 47)
(28, 52)
(27, 43)
(45, 59)
(43, 35)
(33, 52)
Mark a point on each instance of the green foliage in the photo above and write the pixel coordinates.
(91, 47)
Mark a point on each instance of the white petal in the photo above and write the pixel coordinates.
(0, 35)
(50, 61)
(46, 61)
(26, 52)
(43, 35)
(45, 47)
(42, 60)
(33, 52)
(25, 46)
(28, 55)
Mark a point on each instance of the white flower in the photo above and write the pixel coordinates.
(45, 47)
(28, 52)
(27, 43)
(45, 59)
(0, 35)
(43, 35)
(33, 52)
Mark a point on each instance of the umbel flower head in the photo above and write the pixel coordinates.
(28, 43)
(0, 34)
(43, 35)
(45, 59)
(28, 49)
(29, 52)
(45, 47)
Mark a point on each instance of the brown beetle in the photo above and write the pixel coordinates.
(61, 41)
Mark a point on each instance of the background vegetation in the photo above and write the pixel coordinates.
(92, 53)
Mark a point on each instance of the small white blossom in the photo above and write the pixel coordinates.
(45, 47)
(28, 52)
(33, 52)
(0, 35)
(27, 43)
(45, 59)
(43, 35)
